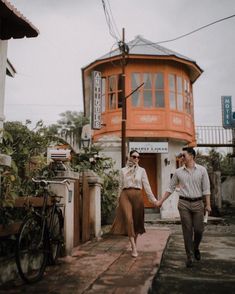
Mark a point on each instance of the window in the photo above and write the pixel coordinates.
(179, 94)
(148, 99)
(159, 90)
(135, 82)
(152, 93)
(187, 97)
(114, 92)
(176, 92)
(172, 91)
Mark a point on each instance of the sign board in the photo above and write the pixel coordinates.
(96, 100)
(226, 111)
(149, 147)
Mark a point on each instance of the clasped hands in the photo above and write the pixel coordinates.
(158, 203)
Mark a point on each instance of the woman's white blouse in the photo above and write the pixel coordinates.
(139, 181)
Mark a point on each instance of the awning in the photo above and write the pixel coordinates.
(13, 24)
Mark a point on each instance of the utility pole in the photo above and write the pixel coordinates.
(123, 48)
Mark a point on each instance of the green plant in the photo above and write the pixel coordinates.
(215, 161)
(104, 168)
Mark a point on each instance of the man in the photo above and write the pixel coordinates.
(193, 181)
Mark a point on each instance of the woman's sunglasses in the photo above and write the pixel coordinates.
(135, 157)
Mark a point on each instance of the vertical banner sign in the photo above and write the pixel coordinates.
(96, 100)
(227, 111)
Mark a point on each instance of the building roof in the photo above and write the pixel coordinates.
(13, 24)
(141, 46)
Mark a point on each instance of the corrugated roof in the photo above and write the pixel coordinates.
(14, 24)
(141, 46)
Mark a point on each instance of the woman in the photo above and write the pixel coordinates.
(129, 218)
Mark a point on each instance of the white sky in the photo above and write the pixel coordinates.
(74, 33)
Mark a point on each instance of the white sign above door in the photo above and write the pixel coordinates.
(149, 147)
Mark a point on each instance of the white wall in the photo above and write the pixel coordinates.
(169, 208)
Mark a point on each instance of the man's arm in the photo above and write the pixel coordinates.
(208, 203)
(165, 196)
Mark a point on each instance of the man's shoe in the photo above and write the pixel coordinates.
(197, 254)
(189, 262)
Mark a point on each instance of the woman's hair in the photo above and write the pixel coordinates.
(133, 151)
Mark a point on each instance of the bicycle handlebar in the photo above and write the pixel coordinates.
(46, 182)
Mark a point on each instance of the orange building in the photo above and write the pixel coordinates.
(160, 114)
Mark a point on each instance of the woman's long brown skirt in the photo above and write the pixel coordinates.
(129, 220)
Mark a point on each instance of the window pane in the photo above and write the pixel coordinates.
(112, 84)
(148, 99)
(172, 82)
(159, 82)
(135, 80)
(179, 85)
(147, 81)
(135, 99)
(119, 91)
(112, 101)
(180, 102)
(160, 101)
(172, 101)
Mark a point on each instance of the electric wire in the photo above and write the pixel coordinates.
(110, 21)
(187, 34)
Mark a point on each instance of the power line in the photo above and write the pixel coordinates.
(187, 34)
(110, 21)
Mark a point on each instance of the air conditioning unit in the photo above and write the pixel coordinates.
(59, 154)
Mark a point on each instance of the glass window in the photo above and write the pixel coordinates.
(187, 97)
(172, 100)
(112, 101)
(114, 92)
(152, 92)
(159, 81)
(159, 98)
(159, 90)
(148, 100)
(172, 89)
(180, 102)
(172, 82)
(135, 82)
(179, 85)
(119, 91)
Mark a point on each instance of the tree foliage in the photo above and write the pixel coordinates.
(216, 161)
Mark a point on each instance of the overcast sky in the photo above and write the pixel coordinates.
(73, 33)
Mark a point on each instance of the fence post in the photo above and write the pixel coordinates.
(216, 200)
(94, 183)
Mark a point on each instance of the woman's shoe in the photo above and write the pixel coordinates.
(134, 253)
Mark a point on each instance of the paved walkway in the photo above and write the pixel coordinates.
(103, 267)
(215, 273)
(106, 266)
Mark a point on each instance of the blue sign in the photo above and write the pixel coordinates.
(227, 111)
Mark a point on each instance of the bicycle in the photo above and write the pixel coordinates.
(40, 236)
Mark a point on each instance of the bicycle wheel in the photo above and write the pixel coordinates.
(32, 250)
(55, 236)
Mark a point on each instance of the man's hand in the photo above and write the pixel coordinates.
(208, 208)
(158, 203)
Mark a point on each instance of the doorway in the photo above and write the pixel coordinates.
(149, 162)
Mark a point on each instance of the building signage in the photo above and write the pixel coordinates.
(226, 111)
(149, 147)
(96, 100)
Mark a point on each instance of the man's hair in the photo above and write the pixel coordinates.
(190, 150)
